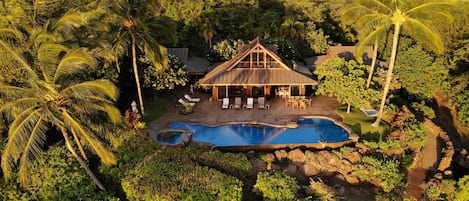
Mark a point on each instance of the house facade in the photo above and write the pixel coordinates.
(257, 71)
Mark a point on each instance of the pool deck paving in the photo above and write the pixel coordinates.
(209, 112)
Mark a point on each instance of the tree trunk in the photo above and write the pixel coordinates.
(82, 151)
(81, 161)
(373, 63)
(388, 74)
(348, 108)
(137, 79)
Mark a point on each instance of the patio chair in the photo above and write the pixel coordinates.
(190, 99)
(302, 105)
(249, 103)
(226, 103)
(186, 103)
(237, 104)
(261, 103)
(296, 104)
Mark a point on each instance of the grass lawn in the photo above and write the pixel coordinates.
(154, 109)
(361, 124)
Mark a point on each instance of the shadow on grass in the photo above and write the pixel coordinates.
(361, 124)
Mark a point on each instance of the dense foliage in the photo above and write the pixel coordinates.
(276, 186)
(169, 78)
(384, 173)
(345, 80)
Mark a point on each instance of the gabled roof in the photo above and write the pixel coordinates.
(279, 73)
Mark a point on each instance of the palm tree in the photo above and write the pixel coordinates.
(54, 96)
(414, 16)
(140, 28)
(369, 30)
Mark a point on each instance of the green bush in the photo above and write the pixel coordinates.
(462, 192)
(58, 176)
(384, 173)
(171, 174)
(227, 162)
(415, 134)
(321, 191)
(440, 191)
(276, 186)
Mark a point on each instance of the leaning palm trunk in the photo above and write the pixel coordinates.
(80, 160)
(373, 64)
(137, 79)
(388, 74)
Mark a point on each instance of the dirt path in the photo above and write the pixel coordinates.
(429, 158)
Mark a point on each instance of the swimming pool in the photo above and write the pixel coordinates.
(309, 131)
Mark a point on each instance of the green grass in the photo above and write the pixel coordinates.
(154, 109)
(361, 124)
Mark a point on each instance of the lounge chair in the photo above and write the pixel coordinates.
(261, 103)
(249, 103)
(183, 102)
(226, 103)
(237, 104)
(190, 99)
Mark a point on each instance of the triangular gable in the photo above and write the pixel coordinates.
(255, 46)
(233, 72)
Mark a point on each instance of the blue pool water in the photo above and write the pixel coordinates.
(309, 131)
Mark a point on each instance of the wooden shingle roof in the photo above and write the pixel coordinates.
(280, 73)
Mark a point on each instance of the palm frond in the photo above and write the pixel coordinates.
(18, 58)
(91, 140)
(69, 22)
(91, 88)
(18, 135)
(32, 150)
(74, 62)
(424, 35)
(429, 7)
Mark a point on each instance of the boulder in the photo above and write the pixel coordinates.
(281, 154)
(351, 179)
(309, 170)
(297, 155)
(353, 157)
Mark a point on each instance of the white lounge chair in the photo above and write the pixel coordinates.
(249, 103)
(238, 104)
(190, 99)
(226, 103)
(261, 103)
(185, 103)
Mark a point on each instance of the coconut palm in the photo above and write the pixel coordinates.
(369, 31)
(414, 17)
(140, 28)
(53, 96)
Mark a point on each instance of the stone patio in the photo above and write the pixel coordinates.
(209, 112)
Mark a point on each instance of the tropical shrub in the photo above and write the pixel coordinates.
(462, 104)
(462, 191)
(321, 191)
(175, 75)
(276, 186)
(171, 175)
(440, 191)
(226, 162)
(58, 176)
(285, 48)
(384, 173)
(227, 49)
(415, 134)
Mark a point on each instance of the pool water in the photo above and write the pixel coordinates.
(309, 131)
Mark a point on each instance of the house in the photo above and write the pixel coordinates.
(194, 65)
(257, 71)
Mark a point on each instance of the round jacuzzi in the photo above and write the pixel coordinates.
(172, 137)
